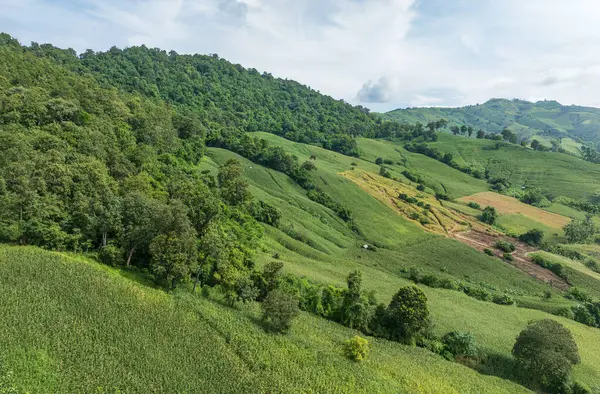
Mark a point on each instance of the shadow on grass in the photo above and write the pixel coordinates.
(497, 364)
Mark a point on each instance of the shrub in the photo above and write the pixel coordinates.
(577, 294)
(582, 315)
(460, 344)
(379, 161)
(508, 257)
(478, 293)
(384, 172)
(441, 196)
(489, 215)
(503, 299)
(474, 205)
(489, 252)
(421, 187)
(279, 309)
(593, 265)
(545, 353)
(356, 349)
(408, 314)
(111, 255)
(388, 162)
(505, 246)
(532, 237)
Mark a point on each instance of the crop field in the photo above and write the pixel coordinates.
(557, 174)
(510, 205)
(89, 329)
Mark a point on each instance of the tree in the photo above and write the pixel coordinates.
(579, 231)
(355, 311)
(379, 161)
(455, 130)
(535, 145)
(279, 309)
(489, 215)
(463, 129)
(509, 136)
(173, 258)
(234, 189)
(480, 134)
(470, 131)
(545, 352)
(141, 219)
(532, 237)
(407, 314)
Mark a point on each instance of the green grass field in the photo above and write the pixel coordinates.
(87, 327)
(495, 327)
(558, 174)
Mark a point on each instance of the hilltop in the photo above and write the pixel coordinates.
(546, 121)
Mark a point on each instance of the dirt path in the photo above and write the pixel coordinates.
(481, 240)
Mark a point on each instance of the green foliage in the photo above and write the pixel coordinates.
(503, 299)
(407, 314)
(557, 268)
(474, 205)
(279, 309)
(265, 213)
(111, 255)
(173, 258)
(532, 237)
(545, 352)
(505, 246)
(489, 215)
(6, 381)
(460, 344)
(489, 252)
(580, 231)
(356, 348)
(508, 256)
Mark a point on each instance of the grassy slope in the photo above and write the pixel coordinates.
(68, 325)
(495, 327)
(558, 174)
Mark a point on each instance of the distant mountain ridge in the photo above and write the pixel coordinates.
(548, 119)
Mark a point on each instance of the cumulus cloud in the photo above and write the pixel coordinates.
(381, 53)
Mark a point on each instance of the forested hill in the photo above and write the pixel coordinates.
(225, 96)
(543, 118)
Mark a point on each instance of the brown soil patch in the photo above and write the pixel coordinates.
(482, 240)
(510, 205)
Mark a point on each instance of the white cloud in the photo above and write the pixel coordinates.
(381, 53)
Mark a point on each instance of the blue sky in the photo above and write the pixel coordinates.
(382, 54)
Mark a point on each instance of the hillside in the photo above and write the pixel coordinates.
(159, 213)
(546, 120)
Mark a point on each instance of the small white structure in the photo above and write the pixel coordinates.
(365, 246)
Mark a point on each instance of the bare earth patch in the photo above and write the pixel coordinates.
(510, 205)
(481, 240)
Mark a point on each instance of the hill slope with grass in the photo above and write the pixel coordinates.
(546, 119)
(90, 329)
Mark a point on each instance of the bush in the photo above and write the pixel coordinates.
(489, 215)
(356, 349)
(388, 162)
(279, 309)
(503, 299)
(582, 315)
(508, 257)
(379, 161)
(580, 388)
(421, 187)
(474, 205)
(460, 344)
(478, 293)
(111, 255)
(532, 237)
(545, 352)
(577, 294)
(504, 246)
(489, 252)
(593, 265)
